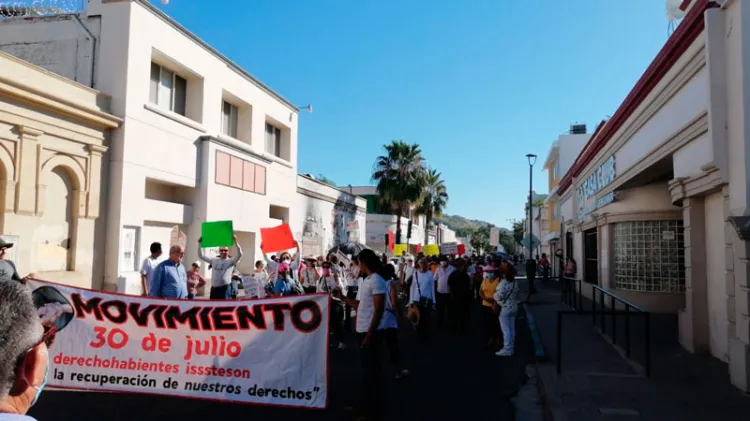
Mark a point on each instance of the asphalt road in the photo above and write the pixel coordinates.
(451, 377)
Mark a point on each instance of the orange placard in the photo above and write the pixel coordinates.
(277, 238)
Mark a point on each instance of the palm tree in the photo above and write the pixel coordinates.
(434, 198)
(398, 174)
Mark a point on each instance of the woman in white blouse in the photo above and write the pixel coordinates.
(329, 282)
(422, 296)
(506, 296)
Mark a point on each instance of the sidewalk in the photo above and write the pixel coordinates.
(598, 384)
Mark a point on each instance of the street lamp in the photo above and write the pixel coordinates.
(532, 160)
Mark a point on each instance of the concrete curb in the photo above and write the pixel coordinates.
(545, 373)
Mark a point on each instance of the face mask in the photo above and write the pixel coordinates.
(41, 387)
(326, 272)
(287, 261)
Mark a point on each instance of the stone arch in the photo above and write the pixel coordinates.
(70, 166)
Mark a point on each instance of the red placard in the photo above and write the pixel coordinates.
(461, 249)
(390, 241)
(419, 248)
(277, 238)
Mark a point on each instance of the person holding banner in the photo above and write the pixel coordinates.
(24, 359)
(222, 269)
(370, 306)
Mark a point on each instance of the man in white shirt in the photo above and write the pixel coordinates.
(149, 265)
(222, 268)
(441, 281)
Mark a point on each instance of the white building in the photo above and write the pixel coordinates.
(657, 205)
(325, 216)
(202, 139)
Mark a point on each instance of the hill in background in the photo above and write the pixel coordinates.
(464, 226)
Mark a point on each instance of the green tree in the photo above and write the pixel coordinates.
(518, 231)
(399, 177)
(434, 198)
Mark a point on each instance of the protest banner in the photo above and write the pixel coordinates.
(217, 234)
(398, 249)
(431, 250)
(461, 250)
(449, 248)
(391, 244)
(343, 258)
(279, 238)
(494, 236)
(268, 351)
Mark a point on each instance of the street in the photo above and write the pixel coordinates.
(451, 377)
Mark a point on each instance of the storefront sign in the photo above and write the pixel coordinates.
(599, 179)
(268, 351)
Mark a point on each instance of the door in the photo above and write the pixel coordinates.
(591, 256)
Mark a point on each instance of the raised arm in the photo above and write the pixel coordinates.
(236, 258)
(201, 254)
(297, 255)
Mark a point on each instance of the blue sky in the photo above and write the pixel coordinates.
(477, 84)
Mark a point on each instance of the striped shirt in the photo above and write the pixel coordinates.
(170, 281)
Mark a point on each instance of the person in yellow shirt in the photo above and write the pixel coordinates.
(486, 291)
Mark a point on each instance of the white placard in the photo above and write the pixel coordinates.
(449, 248)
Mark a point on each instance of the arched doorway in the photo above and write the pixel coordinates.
(54, 237)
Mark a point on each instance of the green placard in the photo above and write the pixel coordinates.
(217, 234)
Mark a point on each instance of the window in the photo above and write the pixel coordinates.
(167, 89)
(229, 119)
(235, 172)
(649, 256)
(273, 140)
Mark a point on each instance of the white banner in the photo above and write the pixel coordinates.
(268, 351)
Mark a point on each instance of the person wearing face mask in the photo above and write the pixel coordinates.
(442, 274)
(285, 258)
(24, 359)
(330, 282)
(487, 291)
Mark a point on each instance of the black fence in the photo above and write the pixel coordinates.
(611, 315)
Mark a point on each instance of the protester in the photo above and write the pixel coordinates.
(310, 276)
(286, 282)
(147, 268)
(423, 298)
(222, 270)
(170, 277)
(370, 306)
(570, 268)
(389, 324)
(352, 286)
(459, 283)
(24, 359)
(506, 296)
(254, 284)
(531, 274)
(329, 282)
(442, 273)
(194, 280)
(545, 265)
(487, 290)
(286, 258)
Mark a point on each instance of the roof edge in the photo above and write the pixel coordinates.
(676, 45)
(234, 66)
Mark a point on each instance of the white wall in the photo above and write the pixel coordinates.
(322, 216)
(689, 159)
(715, 270)
(570, 145)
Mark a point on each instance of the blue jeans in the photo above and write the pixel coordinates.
(508, 326)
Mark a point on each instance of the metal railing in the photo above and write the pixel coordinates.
(572, 296)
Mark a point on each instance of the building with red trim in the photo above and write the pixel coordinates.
(656, 207)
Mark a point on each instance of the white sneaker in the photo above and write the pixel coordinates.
(504, 353)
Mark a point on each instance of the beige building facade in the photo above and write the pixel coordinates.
(53, 135)
(656, 205)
